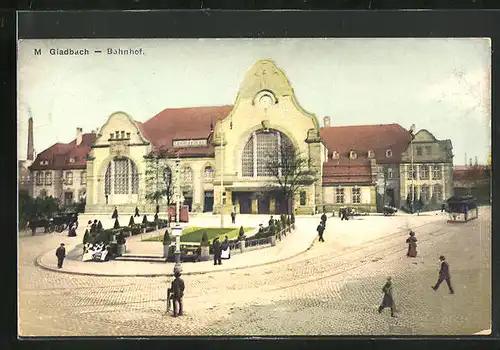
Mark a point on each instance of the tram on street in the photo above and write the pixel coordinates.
(462, 209)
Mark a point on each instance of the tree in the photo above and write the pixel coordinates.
(131, 221)
(158, 176)
(290, 170)
(117, 224)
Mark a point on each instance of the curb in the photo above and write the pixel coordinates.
(39, 264)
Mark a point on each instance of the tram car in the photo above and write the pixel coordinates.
(462, 209)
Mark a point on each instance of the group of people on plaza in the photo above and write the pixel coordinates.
(221, 250)
(388, 299)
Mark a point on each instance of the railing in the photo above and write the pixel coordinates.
(261, 242)
(251, 243)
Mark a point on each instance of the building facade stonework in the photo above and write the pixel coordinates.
(217, 156)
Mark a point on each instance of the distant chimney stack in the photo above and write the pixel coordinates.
(326, 121)
(470, 161)
(476, 160)
(31, 150)
(79, 132)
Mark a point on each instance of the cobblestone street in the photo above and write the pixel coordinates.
(332, 289)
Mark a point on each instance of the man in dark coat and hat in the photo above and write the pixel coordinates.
(61, 254)
(177, 289)
(323, 219)
(388, 300)
(444, 275)
(217, 251)
(320, 230)
(136, 212)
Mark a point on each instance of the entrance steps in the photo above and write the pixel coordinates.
(142, 257)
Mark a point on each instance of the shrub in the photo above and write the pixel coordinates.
(117, 224)
(156, 218)
(131, 223)
(145, 219)
(288, 222)
(204, 239)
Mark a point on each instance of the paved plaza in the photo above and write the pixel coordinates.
(333, 288)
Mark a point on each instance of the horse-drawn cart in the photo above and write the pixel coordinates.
(58, 223)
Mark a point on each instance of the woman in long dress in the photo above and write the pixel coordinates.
(412, 245)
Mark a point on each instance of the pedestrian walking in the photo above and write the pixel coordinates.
(217, 251)
(320, 230)
(177, 289)
(444, 275)
(388, 300)
(61, 254)
(233, 217)
(412, 245)
(443, 208)
(323, 219)
(271, 221)
(115, 213)
(136, 212)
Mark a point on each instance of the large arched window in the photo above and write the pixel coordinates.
(260, 149)
(125, 177)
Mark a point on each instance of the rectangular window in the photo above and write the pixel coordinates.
(412, 172)
(412, 190)
(356, 195)
(424, 193)
(83, 178)
(69, 178)
(424, 172)
(339, 195)
(419, 151)
(437, 192)
(390, 174)
(428, 150)
(302, 197)
(436, 172)
(38, 178)
(48, 179)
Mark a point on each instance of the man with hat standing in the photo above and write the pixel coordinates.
(444, 275)
(61, 254)
(177, 290)
(217, 251)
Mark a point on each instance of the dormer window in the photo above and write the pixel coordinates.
(335, 155)
(117, 134)
(44, 162)
(388, 153)
(72, 160)
(128, 135)
(123, 134)
(371, 154)
(353, 155)
(111, 136)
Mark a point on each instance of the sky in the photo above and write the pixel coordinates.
(442, 85)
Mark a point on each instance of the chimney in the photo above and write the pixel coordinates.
(476, 160)
(31, 151)
(470, 161)
(79, 136)
(326, 121)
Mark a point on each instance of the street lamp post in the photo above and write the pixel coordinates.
(412, 130)
(221, 175)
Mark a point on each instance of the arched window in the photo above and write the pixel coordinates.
(260, 149)
(126, 177)
(187, 176)
(208, 173)
(424, 193)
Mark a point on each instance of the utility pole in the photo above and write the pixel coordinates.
(221, 174)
